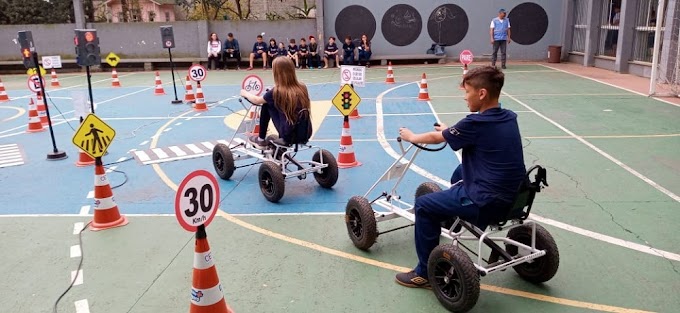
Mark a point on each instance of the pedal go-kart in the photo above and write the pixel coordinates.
(455, 278)
(278, 160)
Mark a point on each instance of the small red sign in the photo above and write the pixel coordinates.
(466, 57)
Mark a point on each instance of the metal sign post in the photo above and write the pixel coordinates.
(174, 86)
(56, 154)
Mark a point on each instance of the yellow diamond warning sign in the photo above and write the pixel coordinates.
(112, 59)
(346, 100)
(94, 136)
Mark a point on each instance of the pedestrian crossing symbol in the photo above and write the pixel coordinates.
(94, 136)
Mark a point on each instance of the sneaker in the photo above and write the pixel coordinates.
(257, 141)
(250, 68)
(412, 280)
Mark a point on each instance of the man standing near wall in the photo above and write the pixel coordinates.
(500, 37)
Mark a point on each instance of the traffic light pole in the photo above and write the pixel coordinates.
(172, 65)
(89, 88)
(56, 154)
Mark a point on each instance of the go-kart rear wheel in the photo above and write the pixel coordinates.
(360, 222)
(272, 182)
(430, 187)
(329, 175)
(223, 161)
(540, 269)
(453, 277)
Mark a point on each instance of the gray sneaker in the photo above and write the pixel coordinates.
(257, 141)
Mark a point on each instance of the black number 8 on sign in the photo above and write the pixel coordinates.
(196, 200)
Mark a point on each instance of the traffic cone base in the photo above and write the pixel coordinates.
(3, 93)
(106, 213)
(189, 95)
(159, 86)
(346, 157)
(423, 95)
(200, 100)
(207, 295)
(55, 80)
(114, 78)
(390, 74)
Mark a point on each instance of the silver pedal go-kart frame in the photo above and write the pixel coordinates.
(529, 248)
(277, 159)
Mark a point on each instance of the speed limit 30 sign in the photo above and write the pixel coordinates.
(196, 200)
(197, 72)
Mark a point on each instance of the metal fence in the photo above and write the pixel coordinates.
(578, 41)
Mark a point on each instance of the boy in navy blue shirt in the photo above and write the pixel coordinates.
(331, 51)
(259, 52)
(303, 53)
(491, 170)
(273, 50)
(348, 49)
(293, 52)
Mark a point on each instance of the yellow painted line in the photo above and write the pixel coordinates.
(606, 136)
(310, 245)
(21, 112)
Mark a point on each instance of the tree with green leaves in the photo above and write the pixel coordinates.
(15, 12)
(216, 9)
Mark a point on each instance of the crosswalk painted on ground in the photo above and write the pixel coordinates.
(178, 152)
(10, 155)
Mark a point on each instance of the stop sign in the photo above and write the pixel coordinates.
(466, 57)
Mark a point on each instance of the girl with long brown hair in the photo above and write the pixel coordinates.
(287, 105)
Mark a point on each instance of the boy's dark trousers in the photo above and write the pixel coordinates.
(313, 61)
(236, 55)
(348, 58)
(502, 44)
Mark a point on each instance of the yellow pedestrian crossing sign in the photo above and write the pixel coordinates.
(112, 59)
(346, 100)
(94, 136)
(31, 71)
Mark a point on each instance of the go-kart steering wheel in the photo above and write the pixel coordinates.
(426, 148)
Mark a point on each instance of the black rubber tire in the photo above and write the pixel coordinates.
(541, 269)
(430, 187)
(271, 180)
(223, 161)
(329, 175)
(457, 290)
(360, 222)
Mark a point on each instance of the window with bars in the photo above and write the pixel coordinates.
(645, 29)
(578, 41)
(609, 27)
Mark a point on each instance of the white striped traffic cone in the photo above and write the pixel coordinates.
(106, 214)
(200, 100)
(207, 295)
(42, 111)
(3, 93)
(423, 95)
(54, 82)
(189, 95)
(346, 157)
(159, 86)
(390, 74)
(115, 82)
(34, 124)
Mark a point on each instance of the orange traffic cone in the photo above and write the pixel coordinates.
(423, 95)
(390, 74)
(114, 78)
(354, 114)
(189, 95)
(34, 124)
(206, 290)
(465, 69)
(255, 117)
(200, 101)
(106, 213)
(3, 93)
(159, 86)
(55, 81)
(346, 158)
(42, 111)
(39, 97)
(84, 159)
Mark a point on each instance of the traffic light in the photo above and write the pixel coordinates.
(167, 37)
(27, 48)
(88, 52)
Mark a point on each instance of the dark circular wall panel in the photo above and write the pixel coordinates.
(448, 24)
(528, 23)
(401, 25)
(354, 20)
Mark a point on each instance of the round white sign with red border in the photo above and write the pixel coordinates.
(466, 57)
(196, 200)
(253, 84)
(34, 83)
(198, 72)
(168, 44)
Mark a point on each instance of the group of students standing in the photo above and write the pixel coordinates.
(305, 55)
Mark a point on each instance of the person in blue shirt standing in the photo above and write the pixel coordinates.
(490, 174)
(500, 37)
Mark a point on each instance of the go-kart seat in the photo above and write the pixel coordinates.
(299, 133)
(525, 197)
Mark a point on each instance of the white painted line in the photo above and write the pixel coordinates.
(224, 142)
(111, 169)
(131, 150)
(77, 227)
(8, 145)
(290, 214)
(78, 280)
(188, 157)
(193, 148)
(10, 159)
(177, 151)
(208, 145)
(604, 154)
(144, 142)
(142, 156)
(160, 153)
(188, 118)
(121, 159)
(197, 114)
(178, 123)
(90, 195)
(75, 251)
(84, 210)
(82, 306)
(11, 164)
(167, 129)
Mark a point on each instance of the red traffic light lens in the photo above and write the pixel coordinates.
(89, 36)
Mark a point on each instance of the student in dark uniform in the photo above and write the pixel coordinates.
(348, 51)
(293, 52)
(303, 53)
(273, 50)
(259, 52)
(231, 50)
(331, 51)
(365, 51)
(314, 60)
(281, 50)
(491, 171)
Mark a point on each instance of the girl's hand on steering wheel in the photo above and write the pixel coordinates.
(244, 93)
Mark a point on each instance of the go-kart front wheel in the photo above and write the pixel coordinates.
(453, 277)
(541, 269)
(272, 182)
(360, 222)
(223, 161)
(329, 175)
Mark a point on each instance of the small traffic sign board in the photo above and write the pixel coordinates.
(34, 83)
(51, 61)
(466, 57)
(112, 59)
(355, 75)
(197, 72)
(196, 200)
(346, 100)
(253, 84)
(93, 136)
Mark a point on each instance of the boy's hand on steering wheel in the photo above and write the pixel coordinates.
(439, 127)
(244, 93)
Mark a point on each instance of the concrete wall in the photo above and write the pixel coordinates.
(479, 15)
(142, 40)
